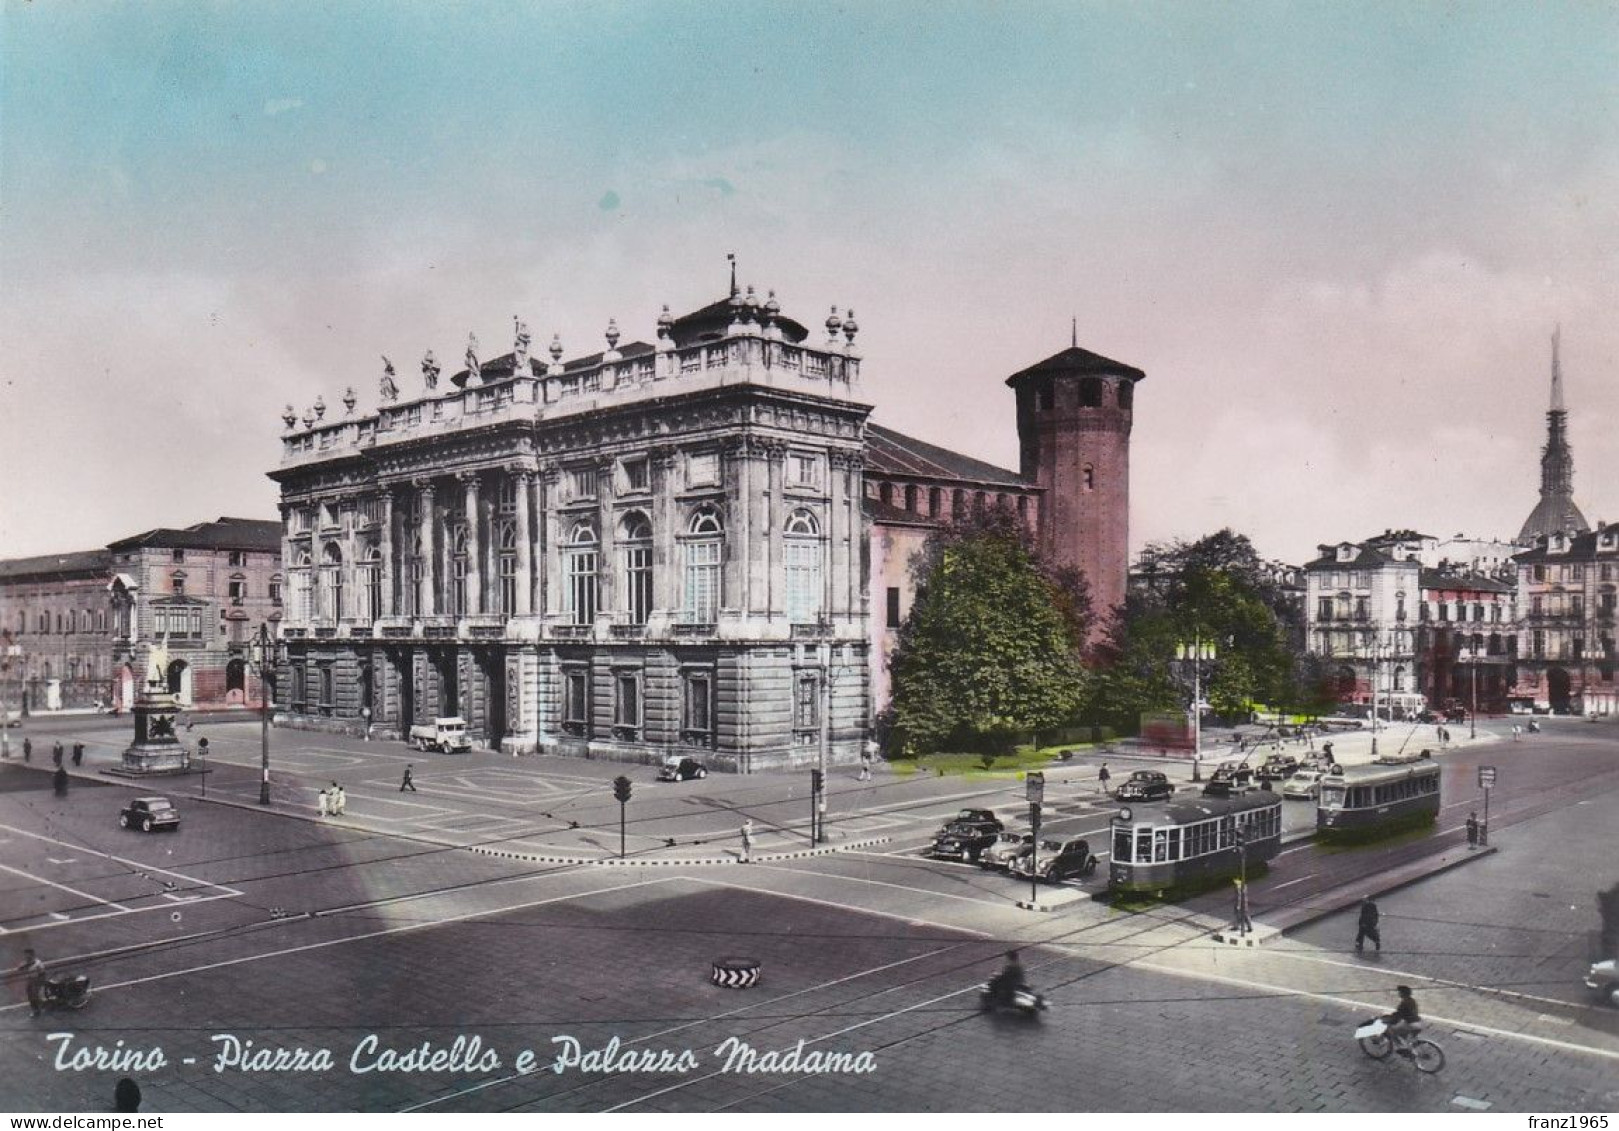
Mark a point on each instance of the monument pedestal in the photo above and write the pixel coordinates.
(157, 750)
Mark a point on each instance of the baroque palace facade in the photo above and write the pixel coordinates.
(665, 548)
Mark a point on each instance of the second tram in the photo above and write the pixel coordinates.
(1387, 796)
(1177, 843)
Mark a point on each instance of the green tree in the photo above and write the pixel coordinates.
(990, 651)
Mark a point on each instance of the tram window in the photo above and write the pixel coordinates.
(1143, 846)
(1175, 844)
(1121, 845)
(1332, 796)
(1160, 846)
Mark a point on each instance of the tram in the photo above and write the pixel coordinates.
(1387, 796)
(1183, 842)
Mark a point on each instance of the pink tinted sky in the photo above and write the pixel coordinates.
(1337, 238)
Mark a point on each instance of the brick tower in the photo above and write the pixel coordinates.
(1074, 411)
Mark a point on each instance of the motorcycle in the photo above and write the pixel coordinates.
(1021, 999)
(65, 992)
(1534, 727)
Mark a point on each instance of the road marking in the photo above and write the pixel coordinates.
(1290, 883)
(383, 932)
(1351, 1003)
(1451, 983)
(911, 919)
(63, 887)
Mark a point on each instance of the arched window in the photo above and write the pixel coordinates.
(507, 568)
(803, 559)
(635, 550)
(703, 549)
(460, 560)
(1088, 477)
(303, 586)
(1399, 677)
(371, 582)
(579, 567)
(331, 576)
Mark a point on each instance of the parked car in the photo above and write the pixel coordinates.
(1145, 785)
(1277, 767)
(148, 814)
(980, 816)
(676, 768)
(1058, 860)
(964, 840)
(1604, 979)
(1303, 786)
(1008, 846)
(1239, 773)
(1223, 787)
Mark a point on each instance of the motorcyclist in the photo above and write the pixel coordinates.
(1402, 1023)
(1009, 980)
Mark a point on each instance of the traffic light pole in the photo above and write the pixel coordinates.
(621, 791)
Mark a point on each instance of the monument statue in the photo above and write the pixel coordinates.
(474, 372)
(390, 389)
(430, 370)
(160, 663)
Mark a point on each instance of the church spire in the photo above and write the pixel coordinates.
(1556, 513)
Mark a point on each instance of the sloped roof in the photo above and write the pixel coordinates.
(893, 453)
(1365, 555)
(709, 323)
(1074, 360)
(81, 562)
(1438, 579)
(262, 535)
(1580, 546)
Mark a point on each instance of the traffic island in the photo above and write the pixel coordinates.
(1055, 899)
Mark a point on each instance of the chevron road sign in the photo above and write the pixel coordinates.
(736, 973)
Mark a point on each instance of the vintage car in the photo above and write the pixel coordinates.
(1145, 785)
(1603, 977)
(149, 814)
(1057, 860)
(1277, 767)
(1008, 846)
(677, 768)
(1303, 786)
(966, 837)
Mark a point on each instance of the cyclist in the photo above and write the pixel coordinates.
(1402, 1023)
(1011, 979)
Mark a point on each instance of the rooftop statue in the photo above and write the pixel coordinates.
(390, 388)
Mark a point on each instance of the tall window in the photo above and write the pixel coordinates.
(238, 590)
(636, 540)
(579, 566)
(806, 709)
(894, 620)
(508, 568)
(303, 587)
(803, 555)
(177, 584)
(460, 559)
(627, 705)
(371, 583)
(697, 708)
(576, 701)
(331, 576)
(703, 568)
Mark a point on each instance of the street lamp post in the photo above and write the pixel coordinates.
(1197, 652)
(1472, 715)
(268, 654)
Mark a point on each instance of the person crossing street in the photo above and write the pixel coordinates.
(1367, 928)
(407, 782)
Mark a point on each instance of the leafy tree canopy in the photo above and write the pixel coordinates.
(990, 650)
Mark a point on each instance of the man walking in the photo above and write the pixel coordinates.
(339, 800)
(1368, 926)
(1472, 830)
(747, 842)
(408, 782)
(1104, 777)
(56, 753)
(78, 753)
(34, 970)
(27, 750)
(867, 754)
(323, 804)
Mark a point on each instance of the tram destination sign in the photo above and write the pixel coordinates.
(1486, 777)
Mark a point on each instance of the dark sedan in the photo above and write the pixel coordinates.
(1146, 785)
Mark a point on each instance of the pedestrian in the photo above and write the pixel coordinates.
(747, 842)
(340, 800)
(34, 970)
(1240, 896)
(59, 779)
(323, 804)
(1368, 926)
(78, 753)
(1472, 830)
(868, 754)
(56, 752)
(408, 782)
(27, 750)
(1104, 777)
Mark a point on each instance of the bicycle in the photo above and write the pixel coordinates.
(1375, 1042)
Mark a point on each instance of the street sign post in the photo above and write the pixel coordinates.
(1486, 779)
(1034, 845)
(1035, 787)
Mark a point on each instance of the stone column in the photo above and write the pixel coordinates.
(386, 546)
(667, 597)
(469, 481)
(733, 566)
(606, 561)
(550, 568)
(775, 517)
(427, 605)
(754, 600)
(525, 551)
(837, 558)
